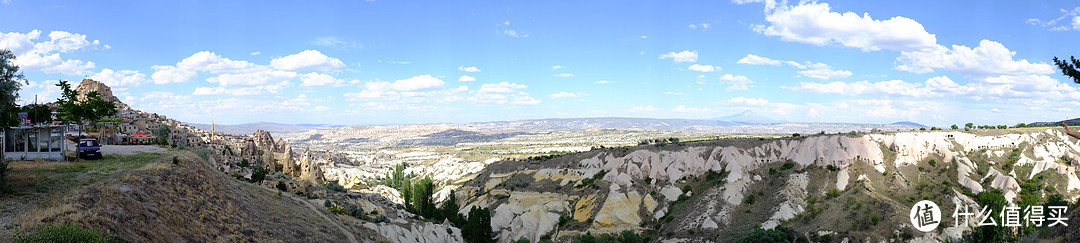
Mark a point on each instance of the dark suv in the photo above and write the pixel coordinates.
(89, 149)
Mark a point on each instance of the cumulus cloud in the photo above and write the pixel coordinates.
(171, 74)
(33, 55)
(565, 94)
(748, 101)
(810, 69)
(683, 56)
(314, 79)
(825, 73)
(752, 59)
(814, 23)
(704, 68)
(737, 82)
(120, 79)
(990, 58)
(645, 108)
(469, 69)
(307, 60)
(417, 83)
(466, 78)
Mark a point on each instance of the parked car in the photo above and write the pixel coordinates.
(89, 149)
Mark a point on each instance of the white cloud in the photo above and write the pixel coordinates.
(171, 74)
(825, 73)
(748, 101)
(211, 62)
(673, 93)
(418, 83)
(249, 90)
(314, 79)
(118, 79)
(563, 75)
(704, 68)
(565, 94)
(321, 108)
(704, 26)
(255, 53)
(602, 82)
(307, 60)
(336, 42)
(737, 82)
(990, 58)
(683, 56)
(503, 87)
(647, 108)
(466, 78)
(1069, 20)
(249, 79)
(524, 99)
(469, 69)
(695, 110)
(505, 29)
(556, 67)
(814, 23)
(45, 55)
(810, 69)
(752, 59)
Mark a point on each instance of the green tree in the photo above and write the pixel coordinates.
(478, 227)
(954, 127)
(86, 111)
(760, 235)
(969, 126)
(1069, 68)
(38, 113)
(993, 200)
(11, 80)
(421, 197)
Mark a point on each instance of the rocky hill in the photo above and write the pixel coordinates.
(89, 85)
(822, 188)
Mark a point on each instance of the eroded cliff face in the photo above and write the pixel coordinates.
(735, 183)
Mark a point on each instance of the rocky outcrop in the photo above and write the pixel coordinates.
(88, 85)
(420, 232)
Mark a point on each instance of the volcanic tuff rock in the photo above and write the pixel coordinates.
(633, 176)
(88, 85)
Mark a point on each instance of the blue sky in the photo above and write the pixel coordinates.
(392, 62)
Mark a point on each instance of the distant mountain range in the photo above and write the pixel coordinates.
(1075, 121)
(250, 128)
(744, 122)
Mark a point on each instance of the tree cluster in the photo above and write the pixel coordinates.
(86, 111)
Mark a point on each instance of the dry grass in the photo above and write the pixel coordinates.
(158, 201)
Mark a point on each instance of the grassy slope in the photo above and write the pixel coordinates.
(145, 197)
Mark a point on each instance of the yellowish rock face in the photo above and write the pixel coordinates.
(620, 210)
(584, 207)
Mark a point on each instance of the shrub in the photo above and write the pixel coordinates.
(333, 186)
(244, 163)
(832, 193)
(933, 162)
(382, 219)
(67, 233)
(281, 186)
(832, 167)
(760, 235)
(788, 165)
(258, 175)
(772, 171)
(686, 188)
(175, 160)
(327, 203)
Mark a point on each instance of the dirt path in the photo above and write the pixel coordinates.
(316, 210)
